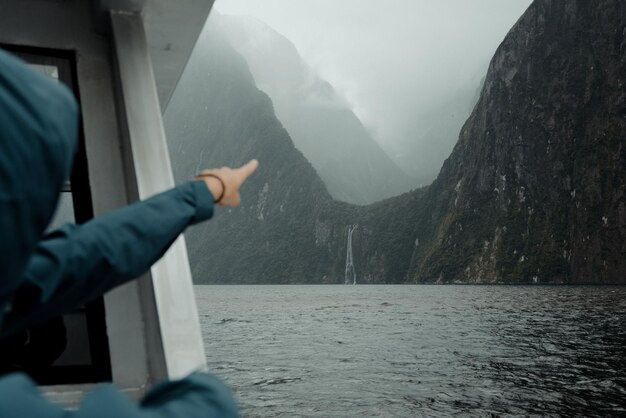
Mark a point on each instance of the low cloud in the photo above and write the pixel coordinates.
(392, 61)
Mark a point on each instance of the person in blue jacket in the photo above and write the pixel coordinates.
(42, 276)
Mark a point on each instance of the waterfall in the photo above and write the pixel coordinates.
(350, 277)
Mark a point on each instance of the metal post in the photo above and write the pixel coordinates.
(176, 326)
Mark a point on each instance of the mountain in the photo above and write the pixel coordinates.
(216, 117)
(320, 122)
(532, 192)
(534, 188)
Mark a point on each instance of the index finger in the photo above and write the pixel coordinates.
(249, 168)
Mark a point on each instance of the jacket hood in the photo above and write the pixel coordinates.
(38, 130)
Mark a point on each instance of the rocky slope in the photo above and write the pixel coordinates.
(533, 191)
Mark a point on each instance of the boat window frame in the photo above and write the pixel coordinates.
(100, 368)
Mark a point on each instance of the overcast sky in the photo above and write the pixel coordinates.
(391, 59)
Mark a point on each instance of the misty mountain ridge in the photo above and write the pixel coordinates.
(323, 126)
(319, 120)
(533, 191)
(217, 116)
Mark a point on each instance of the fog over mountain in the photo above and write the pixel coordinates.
(409, 69)
(533, 191)
(320, 121)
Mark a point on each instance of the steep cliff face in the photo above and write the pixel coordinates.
(534, 189)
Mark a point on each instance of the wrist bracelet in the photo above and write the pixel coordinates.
(215, 176)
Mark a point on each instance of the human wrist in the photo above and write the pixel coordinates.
(216, 187)
(215, 184)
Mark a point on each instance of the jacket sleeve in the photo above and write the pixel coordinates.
(76, 263)
(197, 395)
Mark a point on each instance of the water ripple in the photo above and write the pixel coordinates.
(380, 351)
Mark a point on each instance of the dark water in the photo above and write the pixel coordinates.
(349, 351)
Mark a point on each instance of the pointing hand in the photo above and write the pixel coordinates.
(224, 182)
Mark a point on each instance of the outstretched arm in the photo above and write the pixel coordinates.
(77, 263)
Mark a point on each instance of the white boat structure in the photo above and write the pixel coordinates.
(123, 59)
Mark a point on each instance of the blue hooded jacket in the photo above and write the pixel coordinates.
(44, 276)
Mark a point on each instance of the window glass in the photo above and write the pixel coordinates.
(49, 70)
